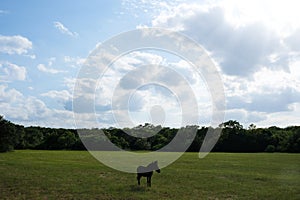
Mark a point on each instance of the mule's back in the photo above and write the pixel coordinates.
(142, 170)
(150, 168)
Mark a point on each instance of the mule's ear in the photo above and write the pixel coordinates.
(155, 162)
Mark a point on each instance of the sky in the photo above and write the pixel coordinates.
(255, 46)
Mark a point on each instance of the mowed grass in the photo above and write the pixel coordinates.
(77, 175)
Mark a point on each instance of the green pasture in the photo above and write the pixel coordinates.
(32, 174)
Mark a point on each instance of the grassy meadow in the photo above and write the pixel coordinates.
(32, 174)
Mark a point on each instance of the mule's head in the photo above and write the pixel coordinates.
(156, 167)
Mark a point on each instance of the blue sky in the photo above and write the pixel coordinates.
(254, 44)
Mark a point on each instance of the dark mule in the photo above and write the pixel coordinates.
(147, 172)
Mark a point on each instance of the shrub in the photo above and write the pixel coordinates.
(270, 148)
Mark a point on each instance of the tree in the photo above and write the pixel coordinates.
(33, 137)
(270, 148)
(293, 144)
(8, 136)
(21, 137)
(231, 124)
(141, 144)
(66, 140)
(252, 127)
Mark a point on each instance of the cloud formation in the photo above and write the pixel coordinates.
(256, 46)
(62, 95)
(239, 50)
(73, 62)
(43, 68)
(19, 107)
(12, 72)
(32, 111)
(14, 44)
(64, 30)
(136, 83)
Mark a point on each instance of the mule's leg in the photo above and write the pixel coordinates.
(149, 181)
(138, 179)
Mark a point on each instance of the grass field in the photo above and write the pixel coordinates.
(77, 175)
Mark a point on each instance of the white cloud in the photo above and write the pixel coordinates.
(268, 91)
(9, 95)
(32, 56)
(228, 29)
(143, 104)
(63, 95)
(31, 111)
(14, 44)
(263, 82)
(74, 61)
(153, 7)
(64, 29)
(239, 50)
(11, 72)
(141, 26)
(15, 105)
(282, 119)
(295, 68)
(293, 40)
(51, 61)
(69, 83)
(244, 116)
(256, 46)
(49, 67)
(281, 16)
(137, 82)
(43, 68)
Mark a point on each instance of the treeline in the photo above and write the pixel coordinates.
(234, 138)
